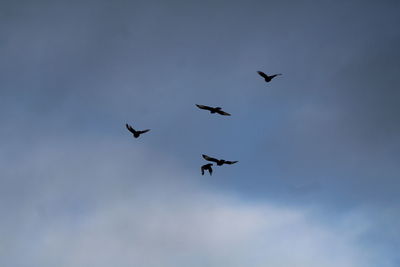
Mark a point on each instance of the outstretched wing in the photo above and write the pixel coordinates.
(144, 131)
(230, 162)
(262, 74)
(209, 158)
(223, 113)
(204, 107)
(273, 76)
(130, 128)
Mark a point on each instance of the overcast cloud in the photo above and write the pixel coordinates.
(317, 183)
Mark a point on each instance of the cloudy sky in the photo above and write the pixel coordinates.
(318, 178)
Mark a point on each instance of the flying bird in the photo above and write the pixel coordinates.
(213, 110)
(135, 133)
(219, 162)
(266, 77)
(206, 167)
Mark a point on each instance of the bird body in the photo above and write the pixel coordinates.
(216, 109)
(219, 162)
(207, 167)
(135, 133)
(266, 77)
(213, 110)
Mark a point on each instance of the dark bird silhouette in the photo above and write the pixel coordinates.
(266, 77)
(135, 133)
(219, 162)
(214, 110)
(206, 167)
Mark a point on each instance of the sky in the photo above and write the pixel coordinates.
(317, 182)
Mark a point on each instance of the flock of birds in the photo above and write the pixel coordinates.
(213, 110)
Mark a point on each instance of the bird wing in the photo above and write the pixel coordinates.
(230, 162)
(202, 170)
(223, 113)
(210, 170)
(262, 74)
(144, 131)
(209, 158)
(203, 107)
(130, 128)
(272, 76)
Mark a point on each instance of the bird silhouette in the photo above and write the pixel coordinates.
(135, 133)
(214, 110)
(266, 77)
(206, 167)
(219, 162)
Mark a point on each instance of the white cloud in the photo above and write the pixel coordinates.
(91, 206)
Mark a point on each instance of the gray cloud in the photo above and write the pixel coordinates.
(325, 134)
(87, 207)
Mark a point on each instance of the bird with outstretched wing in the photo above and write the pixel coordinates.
(214, 110)
(219, 162)
(135, 133)
(266, 77)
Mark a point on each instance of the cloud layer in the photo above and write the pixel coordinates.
(75, 190)
(91, 206)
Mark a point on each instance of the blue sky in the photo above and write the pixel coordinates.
(318, 176)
